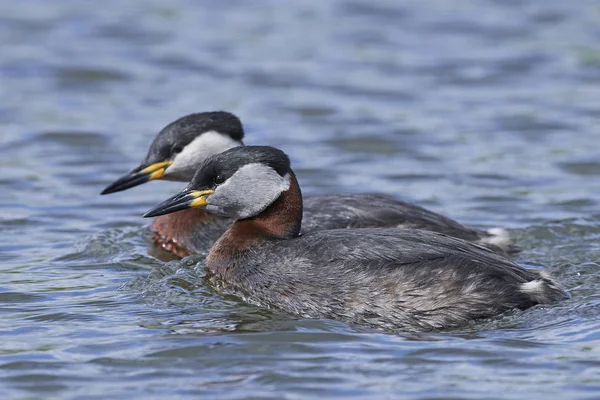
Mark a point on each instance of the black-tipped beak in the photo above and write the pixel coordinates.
(137, 177)
(186, 199)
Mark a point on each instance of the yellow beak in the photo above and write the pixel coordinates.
(135, 178)
(181, 201)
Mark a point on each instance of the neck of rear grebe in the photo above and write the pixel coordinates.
(175, 232)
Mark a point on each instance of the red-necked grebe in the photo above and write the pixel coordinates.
(181, 147)
(393, 279)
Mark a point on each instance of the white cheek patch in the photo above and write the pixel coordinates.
(186, 163)
(248, 192)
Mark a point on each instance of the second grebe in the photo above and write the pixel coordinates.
(181, 147)
(393, 279)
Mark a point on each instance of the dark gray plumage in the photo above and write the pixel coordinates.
(405, 280)
(393, 279)
(380, 211)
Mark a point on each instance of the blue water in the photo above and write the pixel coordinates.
(486, 111)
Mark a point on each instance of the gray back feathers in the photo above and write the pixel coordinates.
(395, 279)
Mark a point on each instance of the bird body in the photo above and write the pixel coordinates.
(392, 279)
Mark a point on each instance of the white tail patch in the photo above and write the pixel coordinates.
(544, 290)
(534, 289)
(407, 225)
(499, 237)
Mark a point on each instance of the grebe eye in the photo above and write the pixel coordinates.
(219, 179)
(177, 149)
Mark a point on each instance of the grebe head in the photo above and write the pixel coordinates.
(239, 183)
(182, 146)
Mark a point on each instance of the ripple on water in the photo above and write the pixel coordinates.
(376, 96)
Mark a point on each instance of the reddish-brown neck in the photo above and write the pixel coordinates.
(173, 232)
(281, 220)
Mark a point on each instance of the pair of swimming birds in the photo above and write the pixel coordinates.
(363, 259)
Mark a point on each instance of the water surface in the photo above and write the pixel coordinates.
(486, 111)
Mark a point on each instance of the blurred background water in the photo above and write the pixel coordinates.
(487, 111)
